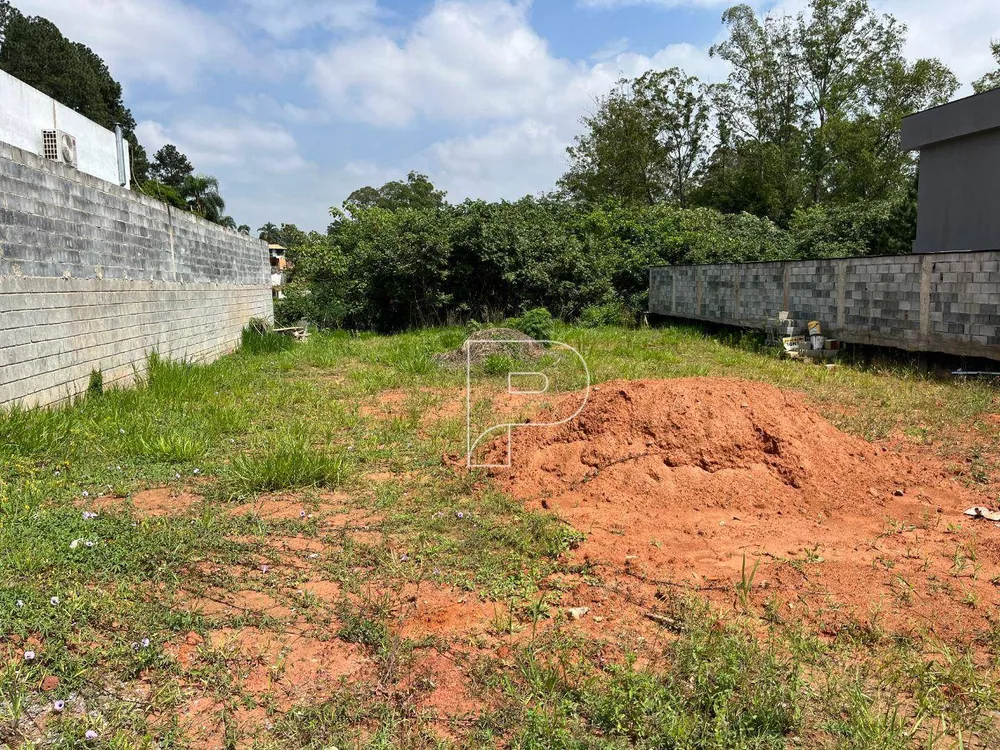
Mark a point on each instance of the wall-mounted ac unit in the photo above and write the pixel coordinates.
(59, 146)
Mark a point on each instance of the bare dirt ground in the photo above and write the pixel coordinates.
(716, 483)
(737, 491)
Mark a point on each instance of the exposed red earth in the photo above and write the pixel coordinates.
(694, 481)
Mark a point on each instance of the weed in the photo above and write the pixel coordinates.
(95, 386)
(282, 468)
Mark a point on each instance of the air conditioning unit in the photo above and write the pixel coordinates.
(59, 146)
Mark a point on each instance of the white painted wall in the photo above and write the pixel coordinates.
(25, 112)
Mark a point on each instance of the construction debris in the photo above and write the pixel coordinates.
(798, 341)
(977, 511)
(299, 333)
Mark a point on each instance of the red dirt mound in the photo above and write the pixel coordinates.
(677, 481)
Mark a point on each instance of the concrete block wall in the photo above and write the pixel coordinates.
(946, 302)
(94, 276)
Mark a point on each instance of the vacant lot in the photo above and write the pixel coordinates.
(284, 549)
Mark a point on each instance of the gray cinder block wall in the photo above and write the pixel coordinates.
(94, 276)
(943, 302)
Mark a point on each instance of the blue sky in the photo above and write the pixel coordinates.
(294, 103)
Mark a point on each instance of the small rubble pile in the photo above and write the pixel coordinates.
(801, 342)
(492, 341)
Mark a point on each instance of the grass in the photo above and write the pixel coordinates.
(303, 423)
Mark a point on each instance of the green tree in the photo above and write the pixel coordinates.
(170, 166)
(164, 193)
(201, 193)
(416, 192)
(677, 106)
(857, 87)
(812, 109)
(617, 157)
(269, 233)
(763, 112)
(990, 80)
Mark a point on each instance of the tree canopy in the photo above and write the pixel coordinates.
(992, 79)
(416, 192)
(810, 114)
(170, 166)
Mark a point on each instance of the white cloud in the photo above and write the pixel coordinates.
(462, 60)
(283, 18)
(470, 61)
(958, 33)
(506, 162)
(165, 41)
(611, 4)
(481, 67)
(241, 146)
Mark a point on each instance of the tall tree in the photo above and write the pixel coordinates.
(990, 80)
(416, 192)
(764, 111)
(269, 233)
(814, 107)
(170, 166)
(677, 107)
(857, 86)
(202, 195)
(617, 156)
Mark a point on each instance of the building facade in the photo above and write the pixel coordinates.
(37, 123)
(959, 191)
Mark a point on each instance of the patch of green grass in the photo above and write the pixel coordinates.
(285, 416)
(283, 468)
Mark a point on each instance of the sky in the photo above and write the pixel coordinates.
(293, 104)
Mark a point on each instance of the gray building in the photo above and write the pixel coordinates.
(959, 194)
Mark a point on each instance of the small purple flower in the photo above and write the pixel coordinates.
(89, 543)
(460, 514)
(86, 494)
(29, 655)
(54, 601)
(87, 515)
(404, 557)
(145, 642)
(302, 514)
(135, 645)
(58, 705)
(90, 734)
(264, 568)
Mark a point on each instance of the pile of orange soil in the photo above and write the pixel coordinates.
(696, 481)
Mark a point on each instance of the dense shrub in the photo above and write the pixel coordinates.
(610, 314)
(388, 269)
(849, 230)
(536, 323)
